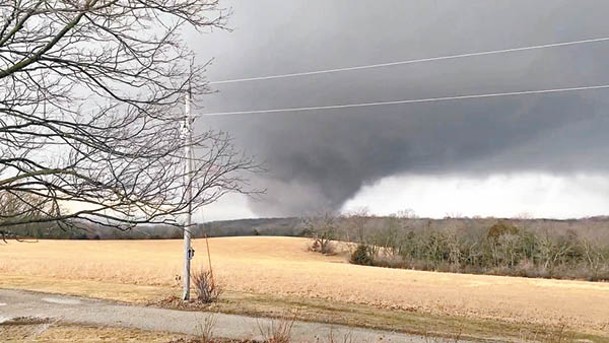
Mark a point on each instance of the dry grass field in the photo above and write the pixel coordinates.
(279, 267)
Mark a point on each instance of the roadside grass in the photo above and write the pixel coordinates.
(317, 310)
(416, 323)
(277, 330)
(129, 293)
(36, 330)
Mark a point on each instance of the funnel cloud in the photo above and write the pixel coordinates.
(321, 159)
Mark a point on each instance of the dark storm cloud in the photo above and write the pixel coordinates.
(322, 158)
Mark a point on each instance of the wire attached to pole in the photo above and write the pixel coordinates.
(412, 101)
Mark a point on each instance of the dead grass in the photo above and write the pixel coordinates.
(40, 331)
(278, 330)
(205, 327)
(257, 271)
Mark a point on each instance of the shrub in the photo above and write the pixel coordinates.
(323, 230)
(323, 246)
(500, 229)
(277, 330)
(208, 291)
(205, 328)
(361, 256)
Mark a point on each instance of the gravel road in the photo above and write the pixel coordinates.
(17, 303)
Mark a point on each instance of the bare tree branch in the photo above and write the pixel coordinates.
(91, 95)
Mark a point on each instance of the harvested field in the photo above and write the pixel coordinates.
(282, 266)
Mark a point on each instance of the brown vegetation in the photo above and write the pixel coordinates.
(37, 330)
(533, 248)
(257, 268)
(208, 290)
(277, 330)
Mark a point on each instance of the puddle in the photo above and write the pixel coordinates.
(62, 301)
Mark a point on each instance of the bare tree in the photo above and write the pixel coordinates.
(27, 208)
(91, 99)
(356, 222)
(323, 229)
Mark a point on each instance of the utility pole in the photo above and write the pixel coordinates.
(188, 251)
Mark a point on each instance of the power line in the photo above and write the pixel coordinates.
(411, 101)
(422, 60)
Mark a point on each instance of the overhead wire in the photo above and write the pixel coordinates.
(411, 101)
(406, 62)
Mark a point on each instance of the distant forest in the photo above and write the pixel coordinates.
(83, 230)
(344, 227)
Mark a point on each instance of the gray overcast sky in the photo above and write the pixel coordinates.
(542, 154)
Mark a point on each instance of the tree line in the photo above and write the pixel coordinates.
(571, 249)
